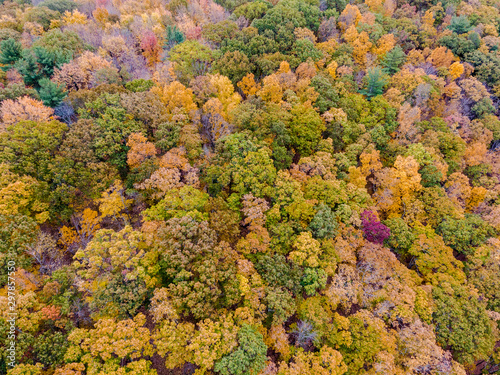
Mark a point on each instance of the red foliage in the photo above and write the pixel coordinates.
(373, 229)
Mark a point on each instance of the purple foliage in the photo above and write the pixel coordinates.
(373, 229)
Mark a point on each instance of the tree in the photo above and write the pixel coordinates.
(150, 47)
(462, 324)
(199, 273)
(116, 269)
(51, 93)
(173, 37)
(17, 234)
(460, 25)
(248, 358)
(374, 230)
(103, 348)
(324, 224)
(463, 235)
(374, 83)
(305, 129)
(192, 59)
(10, 53)
(325, 362)
(393, 60)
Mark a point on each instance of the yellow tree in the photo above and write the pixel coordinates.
(397, 186)
(349, 16)
(22, 109)
(113, 202)
(248, 85)
(103, 349)
(177, 98)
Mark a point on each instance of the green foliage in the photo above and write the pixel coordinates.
(328, 96)
(192, 58)
(139, 85)
(167, 135)
(460, 25)
(29, 147)
(199, 274)
(459, 45)
(51, 93)
(324, 223)
(393, 60)
(250, 356)
(173, 37)
(10, 53)
(462, 324)
(374, 83)
(39, 62)
(115, 126)
(17, 233)
(313, 280)
(16, 90)
(463, 235)
(60, 6)
(275, 270)
(305, 129)
(402, 237)
(178, 203)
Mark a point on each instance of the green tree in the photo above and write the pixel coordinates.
(60, 6)
(460, 24)
(10, 53)
(192, 58)
(393, 60)
(199, 273)
(462, 324)
(463, 235)
(324, 224)
(173, 37)
(375, 81)
(250, 356)
(306, 127)
(51, 93)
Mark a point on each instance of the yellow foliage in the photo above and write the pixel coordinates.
(398, 185)
(307, 250)
(478, 193)
(349, 16)
(113, 202)
(225, 94)
(176, 97)
(74, 18)
(84, 227)
(374, 5)
(332, 69)
(101, 16)
(18, 195)
(248, 85)
(370, 162)
(327, 362)
(456, 70)
(272, 90)
(385, 44)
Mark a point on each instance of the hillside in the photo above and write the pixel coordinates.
(293, 187)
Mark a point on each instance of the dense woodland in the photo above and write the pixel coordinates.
(293, 187)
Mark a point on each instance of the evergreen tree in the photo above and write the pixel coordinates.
(393, 60)
(375, 82)
(10, 53)
(174, 37)
(460, 25)
(51, 93)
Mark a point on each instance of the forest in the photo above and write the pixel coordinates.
(249, 187)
